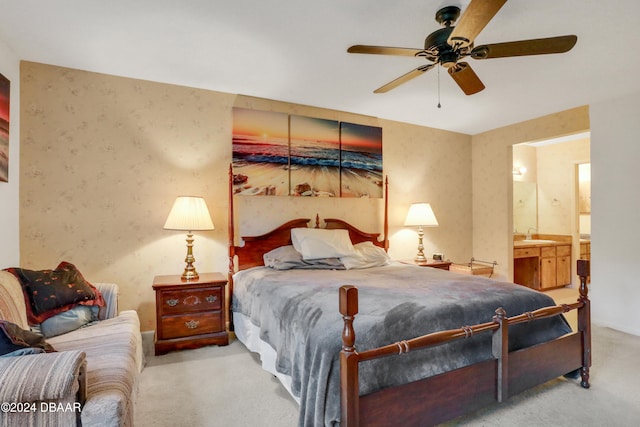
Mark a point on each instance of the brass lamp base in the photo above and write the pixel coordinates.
(420, 258)
(189, 275)
(190, 272)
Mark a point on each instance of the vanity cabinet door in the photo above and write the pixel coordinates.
(563, 270)
(548, 278)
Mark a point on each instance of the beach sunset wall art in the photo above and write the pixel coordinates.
(4, 128)
(260, 152)
(276, 154)
(361, 160)
(315, 157)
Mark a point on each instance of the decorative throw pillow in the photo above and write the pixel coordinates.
(14, 338)
(49, 292)
(68, 321)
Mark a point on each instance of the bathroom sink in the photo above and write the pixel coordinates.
(536, 241)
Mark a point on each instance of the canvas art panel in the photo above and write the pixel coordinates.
(314, 157)
(260, 152)
(4, 128)
(361, 160)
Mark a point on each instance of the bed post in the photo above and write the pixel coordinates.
(501, 353)
(349, 387)
(584, 320)
(232, 248)
(386, 214)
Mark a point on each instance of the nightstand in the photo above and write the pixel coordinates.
(190, 314)
(443, 265)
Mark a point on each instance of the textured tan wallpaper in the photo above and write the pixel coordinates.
(103, 157)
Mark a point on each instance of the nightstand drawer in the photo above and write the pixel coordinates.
(189, 325)
(190, 300)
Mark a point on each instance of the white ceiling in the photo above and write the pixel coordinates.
(295, 51)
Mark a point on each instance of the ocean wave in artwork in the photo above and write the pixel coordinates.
(309, 156)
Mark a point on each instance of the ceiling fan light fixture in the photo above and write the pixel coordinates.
(448, 59)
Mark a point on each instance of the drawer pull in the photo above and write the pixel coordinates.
(211, 298)
(173, 302)
(192, 324)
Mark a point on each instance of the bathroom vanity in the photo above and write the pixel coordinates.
(542, 262)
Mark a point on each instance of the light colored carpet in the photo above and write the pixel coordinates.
(211, 386)
(225, 386)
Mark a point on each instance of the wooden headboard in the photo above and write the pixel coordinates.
(250, 255)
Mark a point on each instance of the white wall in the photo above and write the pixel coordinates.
(615, 235)
(9, 195)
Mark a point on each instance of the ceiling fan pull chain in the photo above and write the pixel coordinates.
(439, 87)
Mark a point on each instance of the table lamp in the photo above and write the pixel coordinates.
(421, 215)
(189, 213)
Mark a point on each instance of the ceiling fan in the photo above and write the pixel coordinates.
(450, 44)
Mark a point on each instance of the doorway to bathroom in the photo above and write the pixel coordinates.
(552, 192)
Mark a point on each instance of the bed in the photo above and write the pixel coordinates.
(441, 344)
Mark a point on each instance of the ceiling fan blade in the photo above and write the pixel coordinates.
(466, 78)
(404, 78)
(544, 46)
(473, 20)
(382, 50)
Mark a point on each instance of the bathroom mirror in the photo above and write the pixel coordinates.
(525, 206)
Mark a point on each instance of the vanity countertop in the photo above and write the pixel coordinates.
(537, 243)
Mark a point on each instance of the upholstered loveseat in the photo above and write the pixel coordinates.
(91, 378)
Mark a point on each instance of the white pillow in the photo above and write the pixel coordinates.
(367, 255)
(314, 243)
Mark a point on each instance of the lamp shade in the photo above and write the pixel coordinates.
(189, 213)
(421, 214)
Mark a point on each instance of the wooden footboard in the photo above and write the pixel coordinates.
(449, 395)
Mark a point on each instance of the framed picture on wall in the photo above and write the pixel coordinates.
(4, 128)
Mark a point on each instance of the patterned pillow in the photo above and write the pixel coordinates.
(14, 338)
(50, 292)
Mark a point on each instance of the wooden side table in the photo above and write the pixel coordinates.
(190, 314)
(443, 265)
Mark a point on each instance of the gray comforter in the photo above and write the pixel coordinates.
(297, 312)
